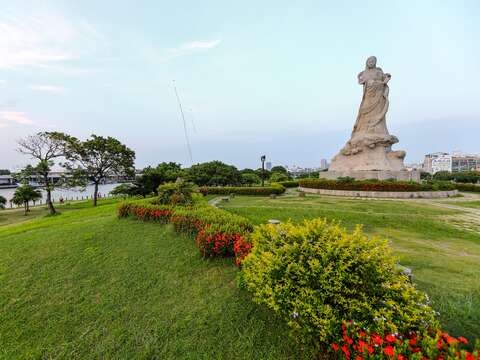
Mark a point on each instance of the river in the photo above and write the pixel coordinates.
(66, 194)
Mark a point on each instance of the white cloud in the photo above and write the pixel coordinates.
(188, 48)
(44, 39)
(49, 88)
(14, 117)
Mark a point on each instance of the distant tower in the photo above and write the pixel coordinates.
(323, 164)
(268, 165)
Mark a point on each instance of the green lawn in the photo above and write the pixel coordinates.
(445, 259)
(86, 285)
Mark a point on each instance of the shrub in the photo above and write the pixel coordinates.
(467, 187)
(250, 190)
(316, 275)
(354, 342)
(375, 185)
(289, 184)
(217, 232)
(177, 193)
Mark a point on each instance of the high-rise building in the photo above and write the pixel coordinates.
(455, 162)
(323, 164)
(427, 162)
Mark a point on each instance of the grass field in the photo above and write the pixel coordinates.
(426, 237)
(86, 285)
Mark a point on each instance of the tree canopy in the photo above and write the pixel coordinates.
(214, 173)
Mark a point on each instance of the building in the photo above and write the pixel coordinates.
(323, 164)
(427, 162)
(454, 162)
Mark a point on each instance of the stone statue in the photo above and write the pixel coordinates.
(370, 145)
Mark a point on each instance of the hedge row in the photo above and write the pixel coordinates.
(375, 185)
(217, 232)
(243, 190)
(289, 184)
(467, 187)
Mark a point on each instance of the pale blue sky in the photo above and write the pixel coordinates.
(273, 77)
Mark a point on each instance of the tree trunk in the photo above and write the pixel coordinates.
(95, 194)
(49, 195)
(25, 208)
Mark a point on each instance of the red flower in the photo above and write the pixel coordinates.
(401, 357)
(389, 351)
(377, 339)
(335, 347)
(462, 340)
(390, 338)
(347, 339)
(412, 341)
(439, 344)
(346, 351)
(362, 333)
(468, 356)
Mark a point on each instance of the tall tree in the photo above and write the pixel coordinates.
(99, 157)
(152, 177)
(24, 194)
(214, 173)
(46, 148)
(3, 202)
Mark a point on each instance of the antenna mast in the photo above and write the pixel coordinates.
(187, 141)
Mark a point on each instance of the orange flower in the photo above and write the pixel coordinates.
(389, 351)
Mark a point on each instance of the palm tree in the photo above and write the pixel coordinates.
(24, 194)
(3, 201)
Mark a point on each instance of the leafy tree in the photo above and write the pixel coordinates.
(279, 169)
(263, 174)
(250, 179)
(3, 202)
(125, 190)
(99, 157)
(276, 177)
(309, 175)
(153, 177)
(214, 173)
(247, 171)
(24, 194)
(4, 172)
(45, 147)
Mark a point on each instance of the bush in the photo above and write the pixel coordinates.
(251, 190)
(316, 275)
(467, 187)
(375, 185)
(289, 184)
(217, 232)
(177, 193)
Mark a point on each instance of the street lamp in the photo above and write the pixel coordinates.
(263, 169)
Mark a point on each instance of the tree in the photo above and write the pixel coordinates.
(153, 177)
(125, 190)
(4, 172)
(279, 169)
(179, 192)
(249, 179)
(45, 147)
(214, 173)
(276, 177)
(3, 202)
(99, 157)
(24, 194)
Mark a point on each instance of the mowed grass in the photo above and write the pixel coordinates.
(445, 259)
(86, 285)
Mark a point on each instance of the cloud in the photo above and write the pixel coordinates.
(49, 88)
(43, 39)
(188, 48)
(14, 117)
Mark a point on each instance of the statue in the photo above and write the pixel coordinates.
(370, 146)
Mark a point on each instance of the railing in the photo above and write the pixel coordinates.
(42, 202)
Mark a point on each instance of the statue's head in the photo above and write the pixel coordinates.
(371, 62)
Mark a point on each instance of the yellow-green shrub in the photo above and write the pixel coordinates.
(316, 275)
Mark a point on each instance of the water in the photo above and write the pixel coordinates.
(66, 194)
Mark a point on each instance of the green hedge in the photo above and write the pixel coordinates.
(376, 185)
(467, 187)
(289, 184)
(243, 190)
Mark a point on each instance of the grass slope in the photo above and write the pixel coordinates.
(85, 285)
(445, 259)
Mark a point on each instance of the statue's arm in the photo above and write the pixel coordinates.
(361, 79)
(386, 78)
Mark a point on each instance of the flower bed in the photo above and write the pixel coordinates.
(375, 185)
(217, 232)
(243, 190)
(356, 343)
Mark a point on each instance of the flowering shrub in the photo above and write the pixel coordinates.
(245, 190)
(217, 232)
(355, 343)
(375, 185)
(176, 193)
(316, 274)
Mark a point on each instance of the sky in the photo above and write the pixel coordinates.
(254, 77)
